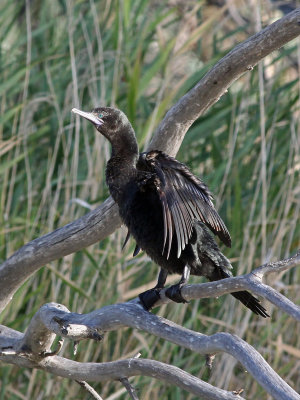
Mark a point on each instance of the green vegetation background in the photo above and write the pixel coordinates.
(142, 56)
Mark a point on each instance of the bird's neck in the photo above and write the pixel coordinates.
(124, 147)
(121, 168)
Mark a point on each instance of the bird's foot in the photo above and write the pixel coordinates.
(174, 293)
(149, 298)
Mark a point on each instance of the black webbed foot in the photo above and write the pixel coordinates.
(174, 293)
(149, 298)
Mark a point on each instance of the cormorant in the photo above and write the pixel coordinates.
(167, 210)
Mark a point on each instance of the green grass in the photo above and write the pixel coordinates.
(56, 55)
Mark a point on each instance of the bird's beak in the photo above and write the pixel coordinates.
(89, 116)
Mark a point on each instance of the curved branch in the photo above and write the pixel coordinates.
(252, 282)
(33, 349)
(134, 367)
(277, 266)
(116, 370)
(57, 319)
(92, 227)
(101, 222)
(214, 84)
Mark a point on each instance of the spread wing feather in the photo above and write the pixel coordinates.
(184, 198)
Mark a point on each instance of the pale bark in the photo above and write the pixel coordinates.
(32, 349)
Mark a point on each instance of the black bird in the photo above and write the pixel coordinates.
(166, 209)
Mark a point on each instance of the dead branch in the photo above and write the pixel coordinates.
(97, 372)
(32, 349)
(130, 389)
(20, 350)
(251, 281)
(90, 390)
(103, 221)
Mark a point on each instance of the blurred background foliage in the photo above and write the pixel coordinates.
(142, 56)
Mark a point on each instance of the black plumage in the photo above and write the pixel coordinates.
(166, 209)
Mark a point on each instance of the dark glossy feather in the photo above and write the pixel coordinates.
(184, 198)
(137, 247)
(136, 250)
(126, 239)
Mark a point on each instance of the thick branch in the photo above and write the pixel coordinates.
(116, 370)
(31, 348)
(134, 367)
(215, 83)
(74, 326)
(94, 226)
(101, 222)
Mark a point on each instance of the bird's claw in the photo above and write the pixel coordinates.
(174, 293)
(149, 298)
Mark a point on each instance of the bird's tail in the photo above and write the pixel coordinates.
(251, 302)
(245, 297)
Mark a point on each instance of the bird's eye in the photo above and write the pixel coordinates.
(100, 115)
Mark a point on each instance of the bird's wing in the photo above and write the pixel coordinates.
(184, 198)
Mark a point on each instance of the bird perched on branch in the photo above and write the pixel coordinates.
(167, 210)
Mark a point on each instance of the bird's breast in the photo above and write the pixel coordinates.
(142, 213)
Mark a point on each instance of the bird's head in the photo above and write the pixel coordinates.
(107, 120)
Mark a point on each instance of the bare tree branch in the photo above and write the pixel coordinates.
(90, 390)
(101, 222)
(214, 84)
(99, 372)
(278, 266)
(90, 228)
(20, 349)
(130, 389)
(12, 341)
(33, 348)
(251, 281)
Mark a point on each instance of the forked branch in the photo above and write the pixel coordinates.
(33, 348)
